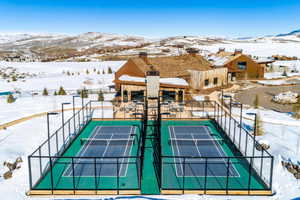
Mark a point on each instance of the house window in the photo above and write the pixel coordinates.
(180, 96)
(206, 82)
(125, 96)
(242, 65)
(215, 81)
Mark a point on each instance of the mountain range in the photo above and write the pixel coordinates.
(48, 47)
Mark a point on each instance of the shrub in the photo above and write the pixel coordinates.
(87, 71)
(284, 73)
(103, 72)
(10, 99)
(109, 71)
(45, 92)
(61, 91)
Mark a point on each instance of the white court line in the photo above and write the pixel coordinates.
(125, 149)
(82, 151)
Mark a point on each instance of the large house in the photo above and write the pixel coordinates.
(240, 66)
(178, 75)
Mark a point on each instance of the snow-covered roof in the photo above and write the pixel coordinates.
(171, 81)
(218, 60)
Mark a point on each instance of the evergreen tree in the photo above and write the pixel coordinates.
(55, 93)
(98, 72)
(109, 71)
(68, 73)
(259, 125)
(45, 92)
(10, 99)
(100, 96)
(256, 101)
(103, 72)
(284, 73)
(84, 93)
(87, 71)
(94, 69)
(14, 78)
(61, 91)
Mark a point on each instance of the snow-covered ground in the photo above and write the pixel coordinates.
(52, 75)
(282, 131)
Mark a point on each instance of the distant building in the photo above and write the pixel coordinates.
(179, 75)
(239, 65)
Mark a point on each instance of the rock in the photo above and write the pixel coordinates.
(7, 175)
(286, 98)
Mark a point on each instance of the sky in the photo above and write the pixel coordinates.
(150, 18)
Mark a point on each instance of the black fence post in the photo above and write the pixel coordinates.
(118, 176)
(205, 176)
(183, 178)
(73, 175)
(56, 137)
(51, 174)
(249, 183)
(40, 159)
(227, 177)
(30, 174)
(271, 172)
(95, 168)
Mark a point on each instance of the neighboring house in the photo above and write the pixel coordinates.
(178, 75)
(239, 65)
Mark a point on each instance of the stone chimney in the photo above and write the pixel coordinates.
(192, 51)
(238, 51)
(144, 56)
(221, 50)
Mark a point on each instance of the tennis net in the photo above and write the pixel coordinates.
(185, 141)
(90, 141)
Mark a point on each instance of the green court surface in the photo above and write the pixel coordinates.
(242, 181)
(129, 180)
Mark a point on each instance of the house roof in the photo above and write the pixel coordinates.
(172, 66)
(223, 58)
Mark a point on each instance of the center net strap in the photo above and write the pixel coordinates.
(90, 141)
(183, 142)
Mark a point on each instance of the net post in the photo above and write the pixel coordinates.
(225, 122)
(214, 110)
(234, 131)
(246, 145)
(73, 174)
(69, 128)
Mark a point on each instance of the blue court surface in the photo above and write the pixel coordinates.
(199, 141)
(107, 142)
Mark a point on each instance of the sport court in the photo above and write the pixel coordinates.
(95, 163)
(196, 139)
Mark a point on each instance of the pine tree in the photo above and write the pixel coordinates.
(61, 91)
(87, 71)
(94, 69)
(100, 96)
(45, 92)
(68, 73)
(98, 72)
(259, 125)
(14, 78)
(284, 73)
(55, 93)
(109, 71)
(10, 99)
(256, 101)
(103, 72)
(84, 93)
